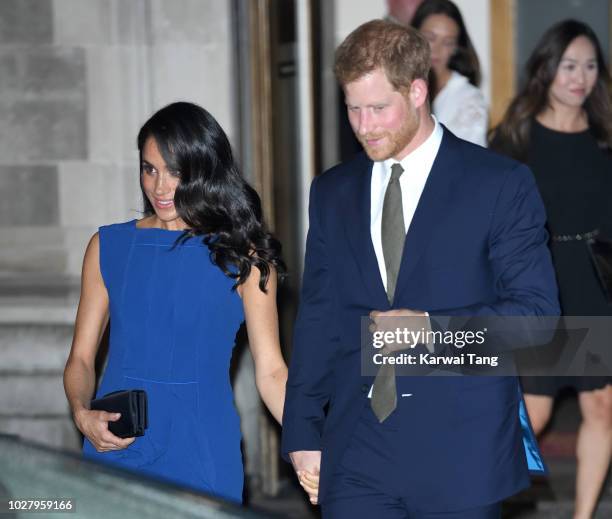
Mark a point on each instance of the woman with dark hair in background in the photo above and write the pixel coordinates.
(560, 124)
(176, 285)
(458, 103)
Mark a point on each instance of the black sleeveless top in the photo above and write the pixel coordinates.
(574, 176)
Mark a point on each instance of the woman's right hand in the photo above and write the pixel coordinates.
(94, 426)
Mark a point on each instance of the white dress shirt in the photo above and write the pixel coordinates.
(417, 166)
(461, 107)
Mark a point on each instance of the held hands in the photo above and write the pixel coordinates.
(310, 484)
(307, 466)
(94, 426)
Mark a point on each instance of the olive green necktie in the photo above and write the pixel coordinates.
(393, 234)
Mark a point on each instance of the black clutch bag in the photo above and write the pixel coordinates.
(601, 254)
(132, 404)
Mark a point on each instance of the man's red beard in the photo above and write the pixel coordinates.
(395, 141)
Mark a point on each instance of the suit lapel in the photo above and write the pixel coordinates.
(356, 205)
(432, 207)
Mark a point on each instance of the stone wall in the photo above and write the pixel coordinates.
(78, 78)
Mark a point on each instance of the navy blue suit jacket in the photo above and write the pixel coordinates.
(476, 246)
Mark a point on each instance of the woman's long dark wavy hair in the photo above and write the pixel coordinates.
(511, 136)
(464, 60)
(212, 198)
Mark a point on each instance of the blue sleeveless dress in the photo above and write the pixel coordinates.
(173, 322)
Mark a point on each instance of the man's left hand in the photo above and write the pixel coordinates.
(403, 319)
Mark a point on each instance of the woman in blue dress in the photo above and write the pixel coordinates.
(176, 285)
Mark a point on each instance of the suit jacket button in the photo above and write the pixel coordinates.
(365, 388)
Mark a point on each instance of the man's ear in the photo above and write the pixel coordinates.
(418, 92)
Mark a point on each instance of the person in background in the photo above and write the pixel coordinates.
(402, 11)
(560, 124)
(458, 103)
(176, 285)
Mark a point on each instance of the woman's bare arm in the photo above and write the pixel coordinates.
(262, 326)
(79, 374)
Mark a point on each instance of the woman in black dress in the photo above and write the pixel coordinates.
(561, 126)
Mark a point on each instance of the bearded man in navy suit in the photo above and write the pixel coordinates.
(422, 224)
